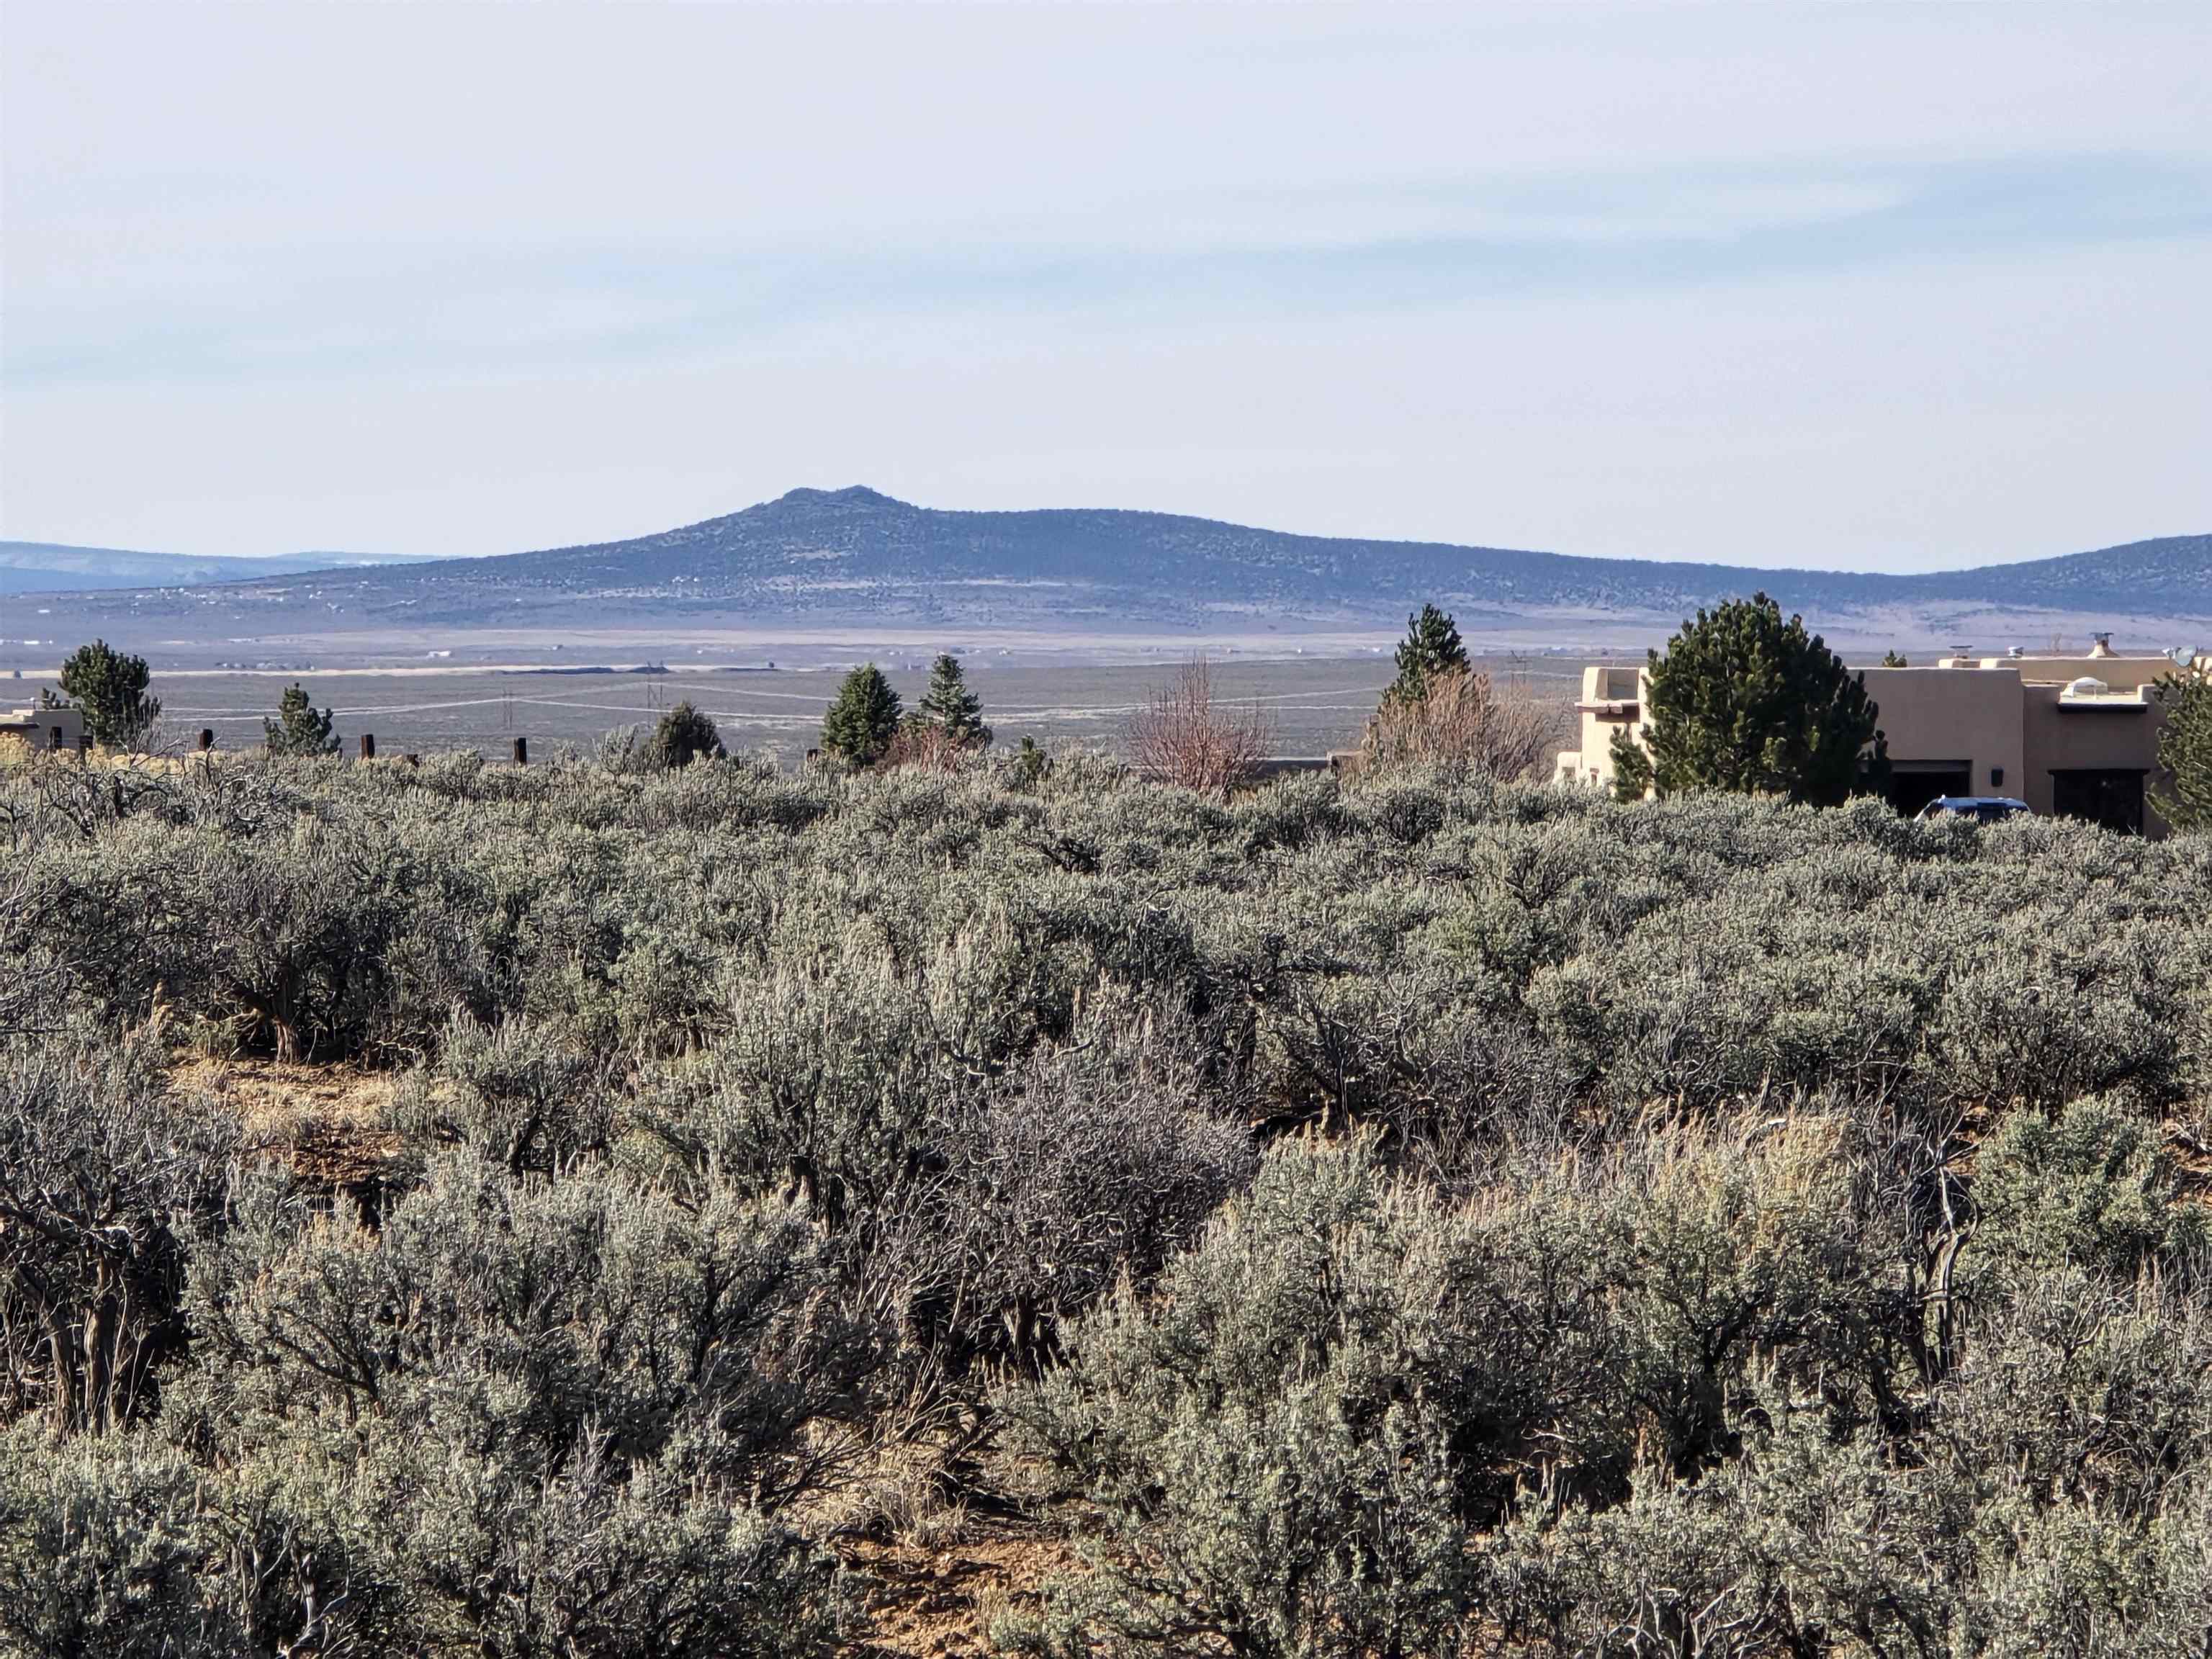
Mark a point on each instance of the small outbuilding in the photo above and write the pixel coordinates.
(49, 729)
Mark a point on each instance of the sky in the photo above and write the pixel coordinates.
(1862, 286)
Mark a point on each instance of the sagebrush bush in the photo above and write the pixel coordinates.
(1419, 1214)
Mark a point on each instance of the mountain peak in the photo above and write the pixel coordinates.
(851, 496)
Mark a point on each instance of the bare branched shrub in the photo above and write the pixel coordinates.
(1460, 721)
(926, 746)
(1092, 1161)
(103, 1173)
(1186, 734)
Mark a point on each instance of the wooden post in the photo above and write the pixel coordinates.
(84, 747)
(522, 751)
(207, 739)
(368, 746)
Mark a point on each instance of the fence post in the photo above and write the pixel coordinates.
(368, 746)
(84, 747)
(522, 751)
(207, 739)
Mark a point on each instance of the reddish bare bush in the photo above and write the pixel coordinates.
(1185, 734)
(924, 746)
(1461, 720)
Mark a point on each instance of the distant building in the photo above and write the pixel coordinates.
(2074, 736)
(44, 728)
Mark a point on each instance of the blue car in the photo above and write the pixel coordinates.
(1982, 809)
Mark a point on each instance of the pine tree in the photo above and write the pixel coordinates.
(111, 689)
(1432, 646)
(299, 728)
(684, 735)
(865, 717)
(1742, 701)
(951, 704)
(2184, 748)
(1030, 763)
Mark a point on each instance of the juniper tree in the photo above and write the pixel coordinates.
(2184, 748)
(110, 687)
(1743, 702)
(300, 728)
(951, 703)
(1432, 646)
(684, 735)
(865, 717)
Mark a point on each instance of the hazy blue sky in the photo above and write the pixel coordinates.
(1866, 286)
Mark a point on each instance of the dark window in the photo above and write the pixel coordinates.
(1913, 784)
(2113, 798)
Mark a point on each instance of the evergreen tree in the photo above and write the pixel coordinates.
(299, 727)
(951, 704)
(1030, 764)
(1432, 646)
(1742, 700)
(2184, 748)
(111, 689)
(1894, 659)
(685, 734)
(863, 720)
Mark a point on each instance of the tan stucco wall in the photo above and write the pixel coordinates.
(1970, 715)
(35, 725)
(1602, 682)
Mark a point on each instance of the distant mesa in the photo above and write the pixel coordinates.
(854, 557)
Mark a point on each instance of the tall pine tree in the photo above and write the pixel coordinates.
(865, 717)
(111, 689)
(951, 703)
(1432, 646)
(1744, 702)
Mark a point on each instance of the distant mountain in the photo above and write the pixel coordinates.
(854, 557)
(53, 567)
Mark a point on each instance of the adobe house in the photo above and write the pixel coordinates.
(57, 729)
(2071, 735)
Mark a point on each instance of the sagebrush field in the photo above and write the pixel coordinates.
(474, 1211)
